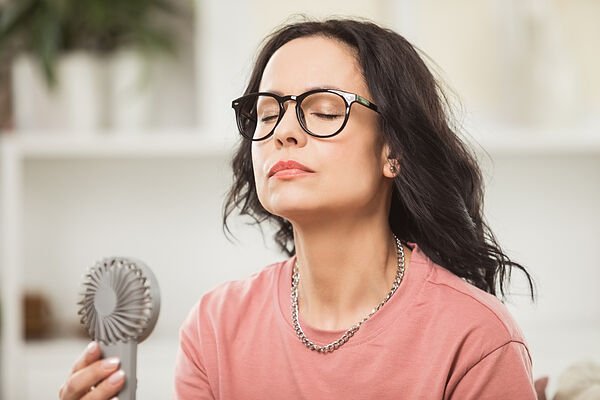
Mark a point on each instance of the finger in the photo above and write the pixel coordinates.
(107, 388)
(81, 381)
(90, 354)
(540, 387)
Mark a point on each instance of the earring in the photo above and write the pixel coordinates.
(393, 169)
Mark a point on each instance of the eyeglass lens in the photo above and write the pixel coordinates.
(321, 113)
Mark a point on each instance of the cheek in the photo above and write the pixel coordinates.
(259, 157)
(358, 153)
(361, 175)
(353, 172)
(258, 161)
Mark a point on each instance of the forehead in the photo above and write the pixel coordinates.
(313, 62)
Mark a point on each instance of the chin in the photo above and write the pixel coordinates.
(290, 210)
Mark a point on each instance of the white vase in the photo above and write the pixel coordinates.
(542, 87)
(554, 84)
(82, 80)
(35, 107)
(130, 94)
(77, 103)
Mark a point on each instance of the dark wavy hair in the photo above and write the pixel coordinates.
(437, 199)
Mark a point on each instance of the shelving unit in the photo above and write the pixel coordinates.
(19, 149)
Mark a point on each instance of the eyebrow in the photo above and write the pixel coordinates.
(279, 93)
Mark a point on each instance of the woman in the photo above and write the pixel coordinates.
(389, 289)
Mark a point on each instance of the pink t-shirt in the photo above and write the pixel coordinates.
(438, 337)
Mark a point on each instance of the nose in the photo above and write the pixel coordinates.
(289, 132)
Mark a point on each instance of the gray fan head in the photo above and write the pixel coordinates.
(121, 301)
(120, 306)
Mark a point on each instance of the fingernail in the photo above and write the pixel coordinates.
(91, 347)
(116, 377)
(110, 363)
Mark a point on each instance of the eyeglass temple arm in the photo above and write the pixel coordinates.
(366, 103)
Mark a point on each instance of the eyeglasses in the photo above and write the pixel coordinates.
(321, 112)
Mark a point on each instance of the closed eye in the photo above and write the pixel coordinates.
(327, 116)
(268, 118)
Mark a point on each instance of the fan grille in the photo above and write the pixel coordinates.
(117, 302)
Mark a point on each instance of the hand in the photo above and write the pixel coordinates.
(92, 378)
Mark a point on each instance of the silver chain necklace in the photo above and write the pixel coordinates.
(350, 332)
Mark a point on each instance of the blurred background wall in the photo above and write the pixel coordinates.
(103, 165)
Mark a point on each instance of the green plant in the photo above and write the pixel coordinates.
(48, 28)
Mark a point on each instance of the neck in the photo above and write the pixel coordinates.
(346, 268)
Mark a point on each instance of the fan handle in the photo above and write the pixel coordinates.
(126, 352)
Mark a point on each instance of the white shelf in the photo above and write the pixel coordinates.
(521, 141)
(197, 143)
(51, 145)
(155, 366)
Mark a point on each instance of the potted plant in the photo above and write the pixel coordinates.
(61, 48)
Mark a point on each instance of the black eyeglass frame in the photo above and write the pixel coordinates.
(349, 99)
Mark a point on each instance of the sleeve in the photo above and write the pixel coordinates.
(504, 373)
(191, 379)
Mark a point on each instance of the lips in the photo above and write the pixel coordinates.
(288, 165)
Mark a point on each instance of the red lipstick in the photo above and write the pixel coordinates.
(289, 168)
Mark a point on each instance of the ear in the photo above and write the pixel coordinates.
(390, 166)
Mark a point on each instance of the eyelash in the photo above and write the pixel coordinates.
(268, 118)
(327, 116)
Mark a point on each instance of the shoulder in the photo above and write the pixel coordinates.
(230, 299)
(481, 317)
(470, 323)
(236, 293)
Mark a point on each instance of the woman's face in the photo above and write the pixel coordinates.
(350, 173)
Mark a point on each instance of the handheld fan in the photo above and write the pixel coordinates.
(119, 308)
